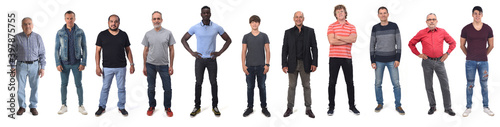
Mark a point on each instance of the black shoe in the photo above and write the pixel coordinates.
(310, 113)
(123, 111)
(431, 111)
(450, 112)
(100, 111)
(288, 112)
(247, 112)
(354, 110)
(216, 111)
(330, 112)
(266, 112)
(195, 111)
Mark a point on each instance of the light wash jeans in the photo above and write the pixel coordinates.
(394, 74)
(108, 74)
(470, 71)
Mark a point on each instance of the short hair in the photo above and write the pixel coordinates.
(26, 18)
(478, 8)
(114, 15)
(338, 7)
(254, 18)
(205, 7)
(69, 12)
(380, 8)
(431, 14)
(158, 13)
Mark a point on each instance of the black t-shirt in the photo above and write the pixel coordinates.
(113, 48)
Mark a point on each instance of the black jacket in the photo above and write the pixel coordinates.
(289, 53)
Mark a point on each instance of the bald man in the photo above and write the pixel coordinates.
(299, 56)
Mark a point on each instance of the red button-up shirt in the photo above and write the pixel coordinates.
(432, 42)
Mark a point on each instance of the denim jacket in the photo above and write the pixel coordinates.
(61, 51)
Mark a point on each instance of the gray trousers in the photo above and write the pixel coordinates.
(292, 79)
(429, 66)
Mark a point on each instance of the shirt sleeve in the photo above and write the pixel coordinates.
(191, 30)
(451, 42)
(464, 32)
(373, 42)
(145, 41)
(414, 42)
(244, 40)
(41, 52)
(171, 40)
(398, 44)
(330, 30)
(220, 30)
(490, 33)
(99, 40)
(353, 29)
(127, 41)
(266, 39)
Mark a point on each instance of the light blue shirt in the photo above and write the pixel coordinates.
(29, 49)
(206, 35)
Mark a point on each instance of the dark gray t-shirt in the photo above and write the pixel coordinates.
(255, 48)
(158, 43)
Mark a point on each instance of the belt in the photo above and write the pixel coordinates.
(28, 62)
(435, 59)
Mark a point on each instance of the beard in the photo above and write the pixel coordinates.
(113, 29)
(157, 26)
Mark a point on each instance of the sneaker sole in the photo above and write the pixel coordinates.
(354, 113)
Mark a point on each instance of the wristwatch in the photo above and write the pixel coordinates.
(132, 64)
(267, 65)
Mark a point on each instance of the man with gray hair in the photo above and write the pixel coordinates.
(158, 45)
(30, 56)
(433, 59)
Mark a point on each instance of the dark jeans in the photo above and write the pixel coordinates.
(200, 65)
(256, 72)
(335, 64)
(165, 78)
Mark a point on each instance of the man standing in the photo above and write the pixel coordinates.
(115, 45)
(299, 56)
(476, 35)
(433, 59)
(257, 45)
(30, 56)
(158, 45)
(341, 36)
(385, 51)
(71, 55)
(206, 32)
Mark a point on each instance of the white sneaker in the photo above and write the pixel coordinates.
(81, 109)
(62, 110)
(488, 111)
(466, 112)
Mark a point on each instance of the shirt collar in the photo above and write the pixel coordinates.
(429, 30)
(346, 22)
(209, 24)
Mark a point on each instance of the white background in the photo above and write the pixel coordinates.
(232, 15)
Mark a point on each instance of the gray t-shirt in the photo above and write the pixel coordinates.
(158, 43)
(255, 48)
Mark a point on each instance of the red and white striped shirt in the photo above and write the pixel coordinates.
(341, 51)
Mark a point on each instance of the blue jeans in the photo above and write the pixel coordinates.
(256, 72)
(108, 74)
(77, 75)
(24, 70)
(379, 75)
(470, 71)
(165, 78)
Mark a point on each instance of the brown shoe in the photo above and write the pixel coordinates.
(20, 111)
(33, 111)
(288, 112)
(310, 113)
